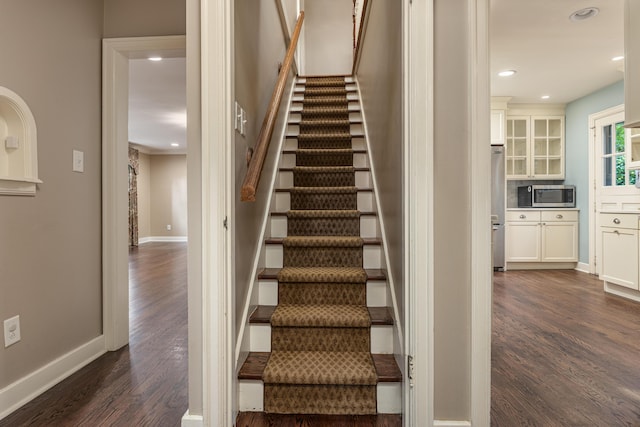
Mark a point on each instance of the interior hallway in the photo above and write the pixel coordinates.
(563, 352)
(145, 383)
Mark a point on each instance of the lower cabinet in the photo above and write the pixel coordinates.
(537, 238)
(619, 263)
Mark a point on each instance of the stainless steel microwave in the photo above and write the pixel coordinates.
(547, 196)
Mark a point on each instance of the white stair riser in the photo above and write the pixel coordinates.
(368, 226)
(351, 96)
(381, 338)
(360, 160)
(282, 201)
(285, 179)
(358, 143)
(376, 293)
(294, 129)
(251, 397)
(296, 116)
(372, 256)
(389, 398)
(347, 79)
(300, 86)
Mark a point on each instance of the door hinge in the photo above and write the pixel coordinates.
(225, 223)
(410, 370)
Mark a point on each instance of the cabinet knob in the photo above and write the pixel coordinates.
(559, 216)
(616, 232)
(616, 221)
(523, 216)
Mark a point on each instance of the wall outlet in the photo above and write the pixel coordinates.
(11, 331)
(168, 227)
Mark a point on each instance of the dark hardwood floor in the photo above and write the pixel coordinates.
(145, 383)
(563, 352)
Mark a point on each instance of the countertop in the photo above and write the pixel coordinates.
(549, 209)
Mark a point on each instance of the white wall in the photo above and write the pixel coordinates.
(328, 37)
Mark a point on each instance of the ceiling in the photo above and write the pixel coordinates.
(157, 105)
(552, 54)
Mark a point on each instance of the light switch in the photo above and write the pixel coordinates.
(78, 161)
(11, 142)
(243, 122)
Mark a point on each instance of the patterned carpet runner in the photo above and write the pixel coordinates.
(320, 360)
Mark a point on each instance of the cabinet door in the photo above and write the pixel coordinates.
(620, 257)
(547, 147)
(523, 241)
(497, 127)
(517, 148)
(560, 242)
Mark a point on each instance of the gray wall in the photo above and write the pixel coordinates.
(50, 244)
(328, 37)
(168, 195)
(259, 47)
(452, 210)
(380, 77)
(137, 18)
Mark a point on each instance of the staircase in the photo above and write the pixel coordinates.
(322, 334)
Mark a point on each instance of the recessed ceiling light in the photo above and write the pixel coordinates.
(617, 58)
(155, 58)
(506, 73)
(545, 97)
(175, 144)
(586, 13)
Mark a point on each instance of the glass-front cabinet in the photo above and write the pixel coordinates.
(633, 150)
(535, 147)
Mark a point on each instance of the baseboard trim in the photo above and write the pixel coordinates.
(438, 423)
(584, 267)
(34, 384)
(149, 239)
(189, 420)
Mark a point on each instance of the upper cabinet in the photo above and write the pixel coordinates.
(497, 127)
(535, 147)
(632, 63)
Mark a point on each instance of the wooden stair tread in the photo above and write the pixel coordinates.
(380, 316)
(262, 419)
(372, 241)
(272, 274)
(287, 190)
(387, 369)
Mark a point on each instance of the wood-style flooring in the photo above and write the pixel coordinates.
(563, 352)
(143, 384)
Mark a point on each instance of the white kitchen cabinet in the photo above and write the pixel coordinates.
(497, 127)
(537, 238)
(535, 147)
(620, 245)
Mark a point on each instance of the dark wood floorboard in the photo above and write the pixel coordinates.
(260, 419)
(563, 352)
(145, 383)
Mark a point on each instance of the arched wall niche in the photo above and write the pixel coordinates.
(18, 146)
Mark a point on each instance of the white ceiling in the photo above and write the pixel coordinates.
(157, 105)
(553, 55)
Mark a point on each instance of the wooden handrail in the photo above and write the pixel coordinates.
(356, 53)
(252, 178)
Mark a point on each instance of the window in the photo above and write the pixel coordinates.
(615, 172)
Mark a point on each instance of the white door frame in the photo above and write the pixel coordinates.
(218, 188)
(593, 158)
(115, 159)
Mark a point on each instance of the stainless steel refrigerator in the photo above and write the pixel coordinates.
(498, 205)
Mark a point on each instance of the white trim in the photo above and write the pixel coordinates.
(621, 291)
(418, 140)
(266, 222)
(583, 267)
(400, 343)
(439, 423)
(34, 384)
(150, 239)
(592, 178)
(115, 202)
(219, 385)
(192, 420)
(479, 177)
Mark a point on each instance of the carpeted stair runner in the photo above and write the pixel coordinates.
(320, 361)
